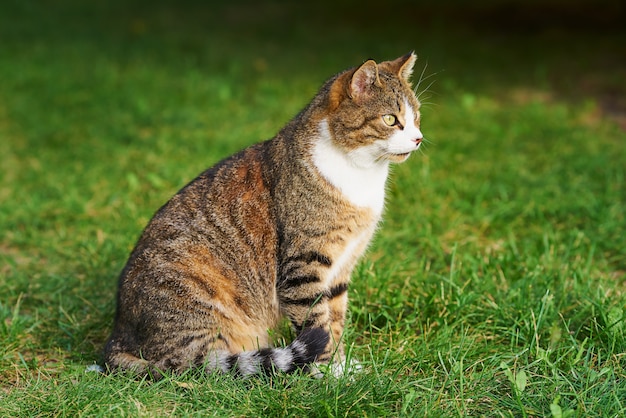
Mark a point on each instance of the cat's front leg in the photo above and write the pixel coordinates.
(339, 365)
(310, 312)
(325, 308)
(337, 307)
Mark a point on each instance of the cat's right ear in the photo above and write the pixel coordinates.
(406, 69)
(363, 79)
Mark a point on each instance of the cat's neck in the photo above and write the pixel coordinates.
(362, 185)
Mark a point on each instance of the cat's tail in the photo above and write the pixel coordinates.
(302, 352)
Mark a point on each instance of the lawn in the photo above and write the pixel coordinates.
(496, 285)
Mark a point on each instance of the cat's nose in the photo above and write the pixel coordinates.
(418, 137)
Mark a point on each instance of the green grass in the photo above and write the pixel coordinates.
(496, 285)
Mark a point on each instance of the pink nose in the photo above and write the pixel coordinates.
(418, 140)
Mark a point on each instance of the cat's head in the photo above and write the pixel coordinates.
(373, 113)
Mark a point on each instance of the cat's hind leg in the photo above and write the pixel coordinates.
(127, 361)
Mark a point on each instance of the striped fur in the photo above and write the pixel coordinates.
(272, 231)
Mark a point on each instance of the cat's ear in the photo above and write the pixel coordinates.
(403, 66)
(363, 79)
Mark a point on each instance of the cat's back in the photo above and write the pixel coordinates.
(229, 200)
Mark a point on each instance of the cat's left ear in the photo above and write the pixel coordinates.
(404, 65)
(363, 79)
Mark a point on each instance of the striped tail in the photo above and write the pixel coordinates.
(303, 351)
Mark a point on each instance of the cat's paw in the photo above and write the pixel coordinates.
(344, 368)
(94, 368)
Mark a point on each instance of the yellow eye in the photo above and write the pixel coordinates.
(389, 120)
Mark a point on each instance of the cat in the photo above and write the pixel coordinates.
(272, 231)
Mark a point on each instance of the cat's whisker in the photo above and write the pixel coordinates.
(419, 82)
(423, 78)
(427, 89)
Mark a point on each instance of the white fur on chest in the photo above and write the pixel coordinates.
(362, 184)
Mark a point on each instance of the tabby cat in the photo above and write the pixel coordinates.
(272, 231)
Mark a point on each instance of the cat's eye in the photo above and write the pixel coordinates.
(389, 120)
